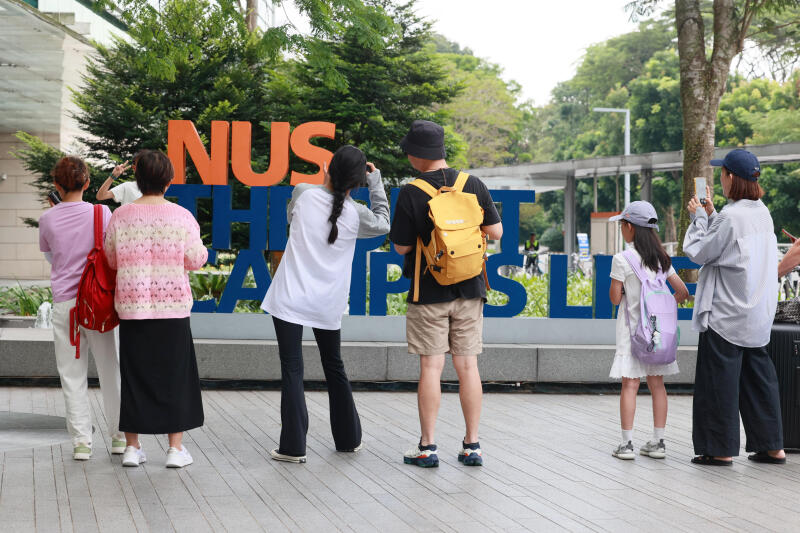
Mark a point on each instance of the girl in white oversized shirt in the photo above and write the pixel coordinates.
(311, 287)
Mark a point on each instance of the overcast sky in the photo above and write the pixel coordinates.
(537, 42)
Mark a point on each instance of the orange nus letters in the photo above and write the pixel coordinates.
(182, 136)
(302, 148)
(278, 154)
(213, 170)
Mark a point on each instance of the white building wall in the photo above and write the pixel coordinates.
(100, 30)
(20, 257)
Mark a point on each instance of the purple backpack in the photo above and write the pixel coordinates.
(655, 338)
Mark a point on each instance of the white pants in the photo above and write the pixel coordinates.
(74, 375)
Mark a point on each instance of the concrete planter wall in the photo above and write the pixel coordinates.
(242, 347)
(14, 321)
(246, 326)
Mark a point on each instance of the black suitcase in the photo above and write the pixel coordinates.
(784, 349)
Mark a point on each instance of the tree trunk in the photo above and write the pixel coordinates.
(703, 82)
(252, 15)
(670, 235)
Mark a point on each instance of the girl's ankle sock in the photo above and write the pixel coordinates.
(627, 436)
(658, 434)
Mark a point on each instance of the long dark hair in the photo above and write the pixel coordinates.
(348, 170)
(649, 246)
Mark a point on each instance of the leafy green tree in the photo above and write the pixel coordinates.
(328, 19)
(656, 106)
(484, 113)
(215, 73)
(781, 122)
(567, 127)
(781, 184)
(384, 91)
(746, 99)
(230, 73)
(532, 219)
(704, 78)
(776, 34)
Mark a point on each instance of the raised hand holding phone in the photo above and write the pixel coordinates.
(701, 198)
(700, 190)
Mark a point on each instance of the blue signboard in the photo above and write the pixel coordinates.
(268, 230)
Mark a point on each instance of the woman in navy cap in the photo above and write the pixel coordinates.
(735, 302)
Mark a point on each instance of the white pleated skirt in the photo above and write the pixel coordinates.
(627, 365)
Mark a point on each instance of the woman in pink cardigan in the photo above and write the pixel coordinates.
(152, 243)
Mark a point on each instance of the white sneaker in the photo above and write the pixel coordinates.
(81, 452)
(133, 456)
(117, 446)
(287, 458)
(178, 458)
(656, 450)
(625, 452)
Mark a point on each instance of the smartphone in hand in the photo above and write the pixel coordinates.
(791, 237)
(54, 197)
(700, 189)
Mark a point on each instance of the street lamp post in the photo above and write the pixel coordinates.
(627, 143)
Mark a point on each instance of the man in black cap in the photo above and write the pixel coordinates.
(445, 318)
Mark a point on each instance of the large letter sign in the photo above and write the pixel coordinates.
(182, 137)
(278, 154)
(268, 226)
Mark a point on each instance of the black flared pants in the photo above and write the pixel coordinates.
(345, 423)
(731, 380)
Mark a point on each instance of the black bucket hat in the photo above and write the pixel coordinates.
(425, 140)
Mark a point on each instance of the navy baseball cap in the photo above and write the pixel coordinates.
(639, 213)
(741, 163)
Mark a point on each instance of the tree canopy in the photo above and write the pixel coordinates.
(373, 66)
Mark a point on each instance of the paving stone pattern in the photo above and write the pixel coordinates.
(548, 468)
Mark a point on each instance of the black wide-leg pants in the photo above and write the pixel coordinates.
(732, 380)
(345, 423)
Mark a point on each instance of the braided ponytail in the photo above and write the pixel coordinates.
(338, 205)
(347, 171)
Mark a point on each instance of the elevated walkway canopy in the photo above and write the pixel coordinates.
(544, 177)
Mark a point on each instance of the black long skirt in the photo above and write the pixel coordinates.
(160, 383)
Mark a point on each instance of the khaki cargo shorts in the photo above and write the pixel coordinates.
(451, 327)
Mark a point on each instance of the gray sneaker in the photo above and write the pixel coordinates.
(656, 450)
(624, 451)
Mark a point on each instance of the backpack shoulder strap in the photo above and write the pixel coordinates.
(461, 180)
(636, 265)
(98, 226)
(417, 267)
(426, 187)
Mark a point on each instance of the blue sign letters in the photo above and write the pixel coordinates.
(268, 224)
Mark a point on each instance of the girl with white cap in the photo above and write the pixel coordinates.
(646, 258)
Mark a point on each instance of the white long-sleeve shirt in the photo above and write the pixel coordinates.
(311, 284)
(737, 290)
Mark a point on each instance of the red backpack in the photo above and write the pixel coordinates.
(94, 306)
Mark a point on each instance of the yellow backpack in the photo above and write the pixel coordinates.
(457, 249)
